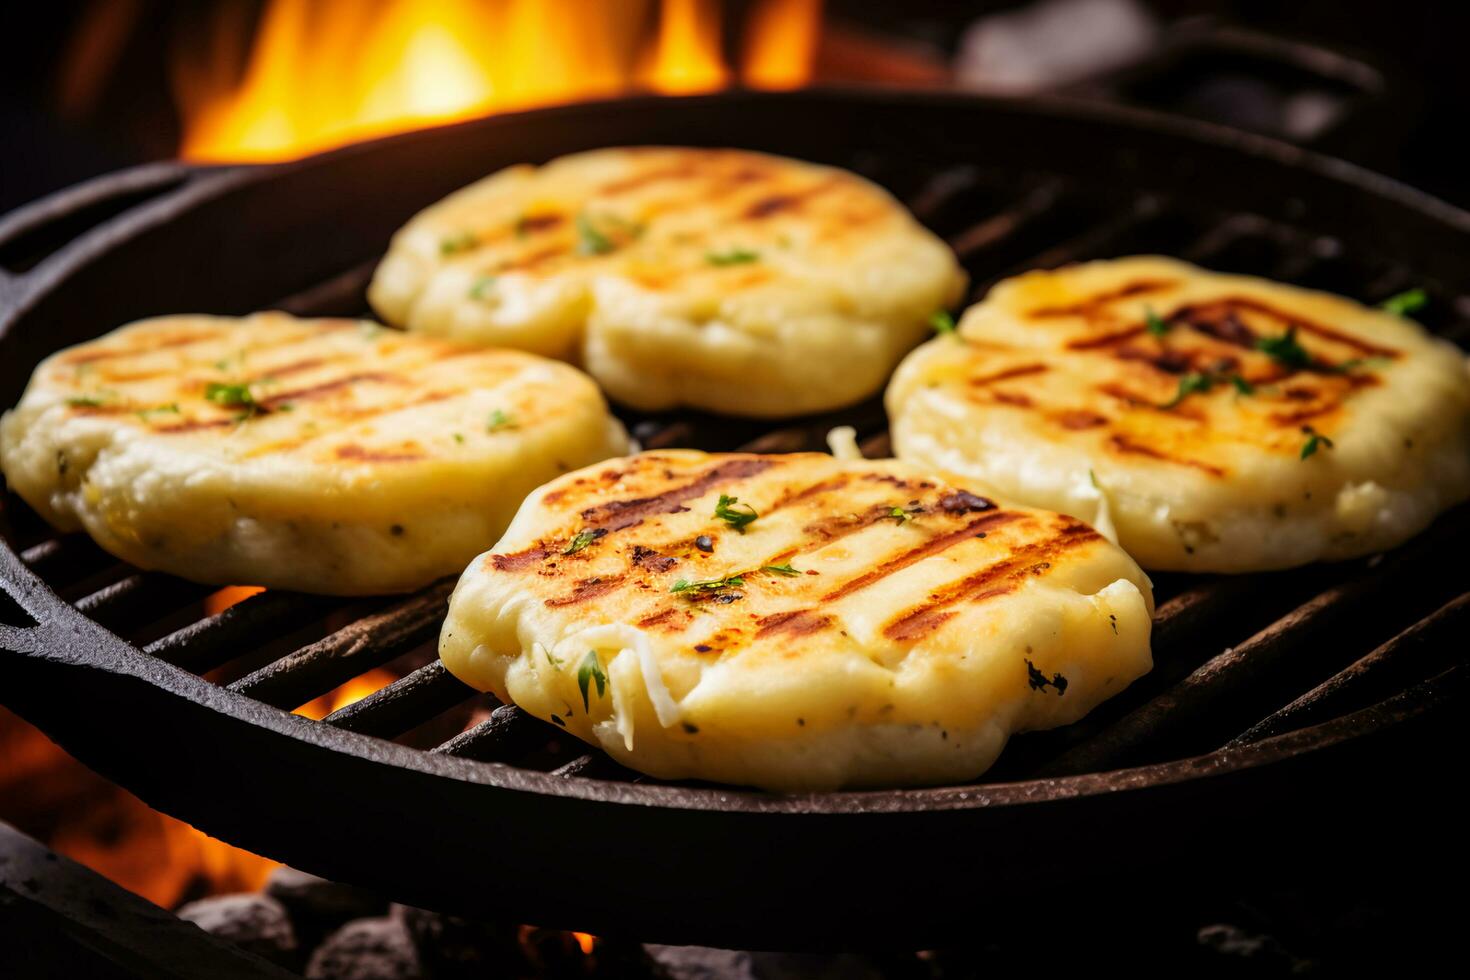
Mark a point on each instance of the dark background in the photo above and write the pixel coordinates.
(65, 115)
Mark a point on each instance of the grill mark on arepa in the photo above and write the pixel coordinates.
(996, 579)
(930, 548)
(1020, 371)
(614, 515)
(788, 200)
(795, 622)
(324, 388)
(361, 454)
(1094, 303)
(516, 561)
(1123, 444)
(153, 345)
(590, 588)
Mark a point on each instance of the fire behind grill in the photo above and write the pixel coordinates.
(1287, 716)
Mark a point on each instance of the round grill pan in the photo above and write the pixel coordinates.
(1294, 723)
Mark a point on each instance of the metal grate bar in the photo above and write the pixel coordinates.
(209, 643)
(341, 295)
(1214, 687)
(370, 642)
(61, 561)
(140, 598)
(410, 701)
(1409, 655)
(508, 733)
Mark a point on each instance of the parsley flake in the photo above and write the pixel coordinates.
(735, 256)
(1192, 383)
(903, 515)
(1285, 350)
(582, 539)
(588, 671)
(1156, 324)
(590, 241)
(231, 396)
(1402, 304)
(500, 420)
(942, 322)
(785, 569)
(708, 585)
(172, 408)
(481, 287)
(454, 244)
(1315, 440)
(732, 512)
(1241, 385)
(84, 401)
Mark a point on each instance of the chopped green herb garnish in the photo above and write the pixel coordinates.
(1155, 323)
(1314, 441)
(457, 243)
(590, 670)
(232, 396)
(1191, 383)
(554, 661)
(785, 569)
(1241, 385)
(481, 286)
(500, 420)
(172, 408)
(903, 515)
(942, 322)
(84, 401)
(735, 516)
(735, 256)
(1285, 350)
(708, 585)
(1358, 362)
(458, 437)
(590, 241)
(1402, 304)
(582, 539)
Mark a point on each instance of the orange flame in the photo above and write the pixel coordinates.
(321, 73)
(350, 693)
(587, 941)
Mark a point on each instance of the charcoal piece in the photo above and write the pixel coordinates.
(256, 923)
(319, 905)
(452, 948)
(367, 949)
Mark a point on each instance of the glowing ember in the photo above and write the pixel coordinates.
(587, 941)
(230, 595)
(320, 73)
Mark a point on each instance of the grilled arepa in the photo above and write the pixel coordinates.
(322, 455)
(795, 622)
(717, 279)
(1222, 423)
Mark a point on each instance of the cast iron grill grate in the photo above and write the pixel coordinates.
(1239, 660)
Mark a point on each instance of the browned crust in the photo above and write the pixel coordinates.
(586, 589)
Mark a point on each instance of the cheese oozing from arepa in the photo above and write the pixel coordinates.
(795, 622)
(1226, 423)
(725, 280)
(328, 456)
